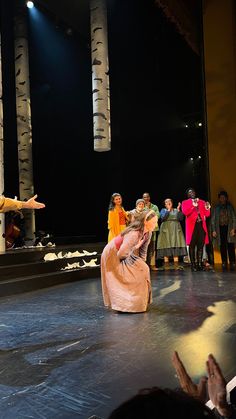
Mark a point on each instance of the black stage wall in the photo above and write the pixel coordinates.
(156, 89)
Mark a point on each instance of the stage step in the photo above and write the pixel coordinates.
(23, 270)
(31, 283)
(42, 267)
(25, 255)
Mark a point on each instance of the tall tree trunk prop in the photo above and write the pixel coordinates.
(100, 76)
(23, 113)
(2, 216)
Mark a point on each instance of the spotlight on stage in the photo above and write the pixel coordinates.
(191, 158)
(29, 4)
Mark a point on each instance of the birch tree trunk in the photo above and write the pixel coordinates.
(23, 114)
(100, 76)
(2, 216)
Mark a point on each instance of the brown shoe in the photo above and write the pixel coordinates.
(153, 268)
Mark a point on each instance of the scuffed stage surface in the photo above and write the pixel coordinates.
(64, 356)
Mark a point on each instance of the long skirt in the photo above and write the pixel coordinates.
(126, 284)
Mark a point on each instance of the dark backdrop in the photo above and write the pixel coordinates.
(156, 89)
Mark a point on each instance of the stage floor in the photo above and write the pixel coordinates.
(63, 355)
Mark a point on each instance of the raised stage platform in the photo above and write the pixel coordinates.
(25, 269)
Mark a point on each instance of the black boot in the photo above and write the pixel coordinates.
(224, 266)
(192, 259)
(232, 266)
(200, 266)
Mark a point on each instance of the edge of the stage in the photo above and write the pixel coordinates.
(24, 269)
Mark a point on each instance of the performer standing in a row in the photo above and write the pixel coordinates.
(117, 216)
(151, 253)
(171, 241)
(196, 210)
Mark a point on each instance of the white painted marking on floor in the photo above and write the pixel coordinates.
(68, 346)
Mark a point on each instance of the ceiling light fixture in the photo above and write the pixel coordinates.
(29, 4)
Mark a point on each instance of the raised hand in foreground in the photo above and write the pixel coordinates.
(214, 384)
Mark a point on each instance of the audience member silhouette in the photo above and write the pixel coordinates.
(162, 403)
(189, 402)
(212, 386)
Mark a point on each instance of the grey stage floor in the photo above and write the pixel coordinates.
(62, 355)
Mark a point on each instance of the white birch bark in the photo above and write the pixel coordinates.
(100, 76)
(2, 216)
(23, 114)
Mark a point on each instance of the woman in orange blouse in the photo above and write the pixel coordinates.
(117, 216)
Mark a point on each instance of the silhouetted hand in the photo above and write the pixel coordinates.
(186, 383)
(217, 386)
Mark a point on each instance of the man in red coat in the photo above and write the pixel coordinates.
(195, 210)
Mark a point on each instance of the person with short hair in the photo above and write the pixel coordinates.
(139, 208)
(195, 210)
(212, 386)
(187, 402)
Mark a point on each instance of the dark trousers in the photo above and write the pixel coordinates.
(198, 237)
(150, 251)
(197, 240)
(225, 246)
(210, 253)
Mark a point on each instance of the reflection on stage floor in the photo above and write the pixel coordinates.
(63, 355)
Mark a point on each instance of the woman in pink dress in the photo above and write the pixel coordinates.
(126, 284)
